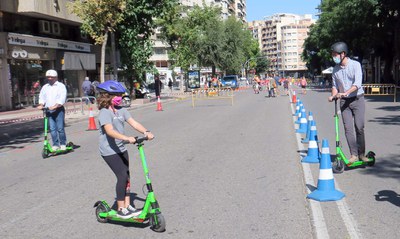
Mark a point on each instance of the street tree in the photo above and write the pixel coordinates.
(134, 35)
(198, 36)
(370, 28)
(99, 18)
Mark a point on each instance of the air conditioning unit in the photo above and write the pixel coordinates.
(55, 28)
(44, 27)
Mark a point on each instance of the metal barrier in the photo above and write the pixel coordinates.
(380, 89)
(81, 103)
(212, 93)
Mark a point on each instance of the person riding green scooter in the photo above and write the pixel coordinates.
(346, 86)
(53, 96)
(112, 118)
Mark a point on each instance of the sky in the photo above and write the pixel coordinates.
(258, 9)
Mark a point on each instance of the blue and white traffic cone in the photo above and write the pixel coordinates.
(313, 155)
(303, 124)
(297, 108)
(326, 185)
(310, 118)
(301, 114)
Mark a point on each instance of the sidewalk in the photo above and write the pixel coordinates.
(75, 111)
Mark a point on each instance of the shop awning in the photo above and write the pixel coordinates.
(79, 61)
(328, 71)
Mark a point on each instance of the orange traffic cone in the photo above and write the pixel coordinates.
(159, 107)
(92, 123)
(294, 99)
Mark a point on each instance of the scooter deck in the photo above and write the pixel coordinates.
(112, 215)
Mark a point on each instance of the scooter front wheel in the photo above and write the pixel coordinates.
(338, 166)
(157, 222)
(45, 153)
(99, 209)
(371, 156)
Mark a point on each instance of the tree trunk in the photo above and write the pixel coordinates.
(103, 57)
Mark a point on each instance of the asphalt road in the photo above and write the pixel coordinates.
(218, 171)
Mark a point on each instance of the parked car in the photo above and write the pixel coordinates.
(230, 81)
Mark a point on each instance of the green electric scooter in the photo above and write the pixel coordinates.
(47, 149)
(151, 212)
(341, 161)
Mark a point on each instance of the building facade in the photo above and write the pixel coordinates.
(281, 37)
(37, 35)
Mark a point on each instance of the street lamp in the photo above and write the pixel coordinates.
(247, 62)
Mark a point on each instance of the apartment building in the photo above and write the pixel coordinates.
(281, 37)
(37, 35)
(160, 58)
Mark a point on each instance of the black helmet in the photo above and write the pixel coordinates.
(339, 47)
(111, 87)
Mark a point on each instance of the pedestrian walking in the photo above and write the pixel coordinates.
(170, 84)
(256, 84)
(303, 84)
(112, 118)
(86, 89)
(157, 85)
(346, 85)
(286, 85)
(53, 96)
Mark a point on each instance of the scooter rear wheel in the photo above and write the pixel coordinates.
(157, 222)
(338, 166)
(99, 209)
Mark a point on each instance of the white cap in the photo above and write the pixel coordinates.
(51, 73)
(86, 78)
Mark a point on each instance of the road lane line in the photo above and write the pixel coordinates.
(348, 219)
(344, 209)
(318, 220)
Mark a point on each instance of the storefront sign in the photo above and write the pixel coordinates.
(28, 40)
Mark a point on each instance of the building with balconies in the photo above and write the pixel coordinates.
(281, 40)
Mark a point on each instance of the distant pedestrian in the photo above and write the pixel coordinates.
(53, 96)
(303, 84)
(286, 85)
(346, 85)
(170, 84)
(86, 89)
(256, 84)
(157, 85)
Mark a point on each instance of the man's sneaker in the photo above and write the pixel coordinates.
(55, 148)
(135, 212)
(124, 213)
(353, 159)
(63, 147)
(364, 159)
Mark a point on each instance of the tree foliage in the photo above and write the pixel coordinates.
(99, 18)
(135, 31)
(198, 36)
(369, 27)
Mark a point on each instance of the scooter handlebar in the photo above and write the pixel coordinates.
(139, 140)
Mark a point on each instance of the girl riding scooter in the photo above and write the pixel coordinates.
(112, 118)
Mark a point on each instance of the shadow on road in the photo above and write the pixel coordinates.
(388, 196)
(17, 135)
(387, 120)
(385, 167)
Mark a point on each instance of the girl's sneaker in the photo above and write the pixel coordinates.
(135, 212)
(124, 213)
